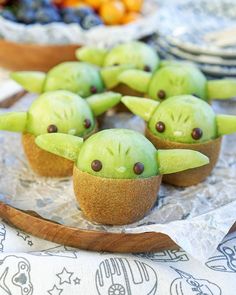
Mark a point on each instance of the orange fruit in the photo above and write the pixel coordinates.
(133, 5)
(112, 12)
(95, 3)
(130, 17)
(72, 3)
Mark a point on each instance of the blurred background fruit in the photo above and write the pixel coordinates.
(96, 4)
(86, 13)
(112, 12)
(130, 17)
(133, 5)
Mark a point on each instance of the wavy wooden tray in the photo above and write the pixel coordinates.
(16, 56)
(84, 239)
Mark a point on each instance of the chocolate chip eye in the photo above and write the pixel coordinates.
(52, 129)
(87, 123)
(147, 68)
(93, 89)
(138, 168)
(161, 94)
(96, 165)
(160, 127)
(196, 133)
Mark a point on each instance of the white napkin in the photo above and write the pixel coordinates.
(29, 265)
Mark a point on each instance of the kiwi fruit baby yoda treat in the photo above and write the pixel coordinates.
(122, 57)
(177, 78)
(52, 112)
(184, 122)
(80, 78)
(117, 172)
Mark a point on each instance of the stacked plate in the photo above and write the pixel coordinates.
(200, 31)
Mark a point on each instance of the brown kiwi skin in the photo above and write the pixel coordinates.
(45, 163)
(193, 176)
(115, 201)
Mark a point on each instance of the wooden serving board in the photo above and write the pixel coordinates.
(33, 224)
(16, 56)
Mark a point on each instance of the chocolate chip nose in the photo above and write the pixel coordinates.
(22, 279)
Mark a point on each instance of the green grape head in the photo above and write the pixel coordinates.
(184, 118)
(175, 78)
(80, 78)
(60, 111)
(122, 57)
(134, 53)
(120, 154)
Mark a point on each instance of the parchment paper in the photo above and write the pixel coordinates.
(196, 218)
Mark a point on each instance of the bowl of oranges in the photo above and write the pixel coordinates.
(47, 32)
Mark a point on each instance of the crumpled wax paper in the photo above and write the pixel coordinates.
(196, 218)
(74, 34)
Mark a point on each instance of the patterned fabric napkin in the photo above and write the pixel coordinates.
(29, 265)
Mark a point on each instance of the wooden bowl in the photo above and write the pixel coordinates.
(92, 240)
(193, 176)
(20, 57)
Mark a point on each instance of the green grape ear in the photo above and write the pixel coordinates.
(226, 124)
(91, 55)
(142, 107)
(63, 145)
(110, 74)
(172, 161)
(221, 89)
(31, 81)
(15, 121)
(136, 79)
(102, 102)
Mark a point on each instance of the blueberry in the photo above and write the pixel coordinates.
(37, 4)
(26, 15)
(7, 14)
(84, 11)
(47, 15)
(90, 21)
(27, 3)
(69, 16)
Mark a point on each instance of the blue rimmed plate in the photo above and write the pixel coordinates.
(187, 23)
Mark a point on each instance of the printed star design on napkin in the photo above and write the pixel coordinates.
(30, 243)
(55, 291)
(65, 276)
(77, 281)
(23, 235)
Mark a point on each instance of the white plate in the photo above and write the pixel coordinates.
(186, 23)
(208, 69)
(197, 58)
